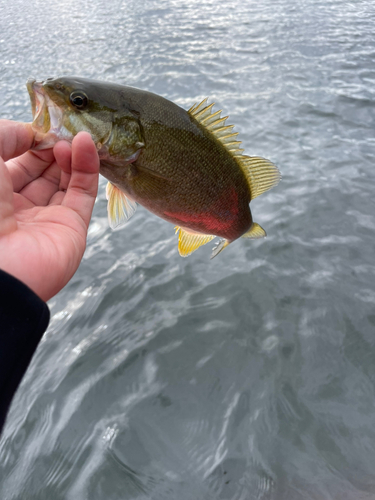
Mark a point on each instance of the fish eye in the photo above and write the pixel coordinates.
(78, 99)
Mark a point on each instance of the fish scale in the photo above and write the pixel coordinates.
(187, 167)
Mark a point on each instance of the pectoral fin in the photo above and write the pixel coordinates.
(189, 242)
(120, 206)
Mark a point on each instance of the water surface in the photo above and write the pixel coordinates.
(247, 377)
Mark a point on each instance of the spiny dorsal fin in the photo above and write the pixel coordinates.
(261, 174)
(197, 107)
(255, 232)
(216, 125)
(120, 207)
(189, 242)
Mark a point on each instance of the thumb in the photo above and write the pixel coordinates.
(8, 222)
(83, 185)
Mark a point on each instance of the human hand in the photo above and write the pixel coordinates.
(46, 201)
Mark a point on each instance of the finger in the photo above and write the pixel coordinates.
(83, 185)
(8, 222)
(15, 138)
(28, 167)
(57, 198)
(41, 190)
(63, 155)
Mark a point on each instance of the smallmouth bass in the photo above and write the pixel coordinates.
(184, 166)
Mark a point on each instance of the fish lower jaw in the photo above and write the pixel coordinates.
(47, 119)
(43, 141)
(46, 140)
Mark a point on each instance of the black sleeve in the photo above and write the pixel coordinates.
(24, 318)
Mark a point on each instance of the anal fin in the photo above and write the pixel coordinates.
(188, 242)
(120, 206)
(255, 232)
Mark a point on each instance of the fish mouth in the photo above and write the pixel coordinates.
(47, 117)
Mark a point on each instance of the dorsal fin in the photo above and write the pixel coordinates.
(261, 174)
(189, 242)
(215, 124)
(120, 206)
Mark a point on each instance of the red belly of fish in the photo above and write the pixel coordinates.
(229, 219)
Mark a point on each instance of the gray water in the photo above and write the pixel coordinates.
(247, 377)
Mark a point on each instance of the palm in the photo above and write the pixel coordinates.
(47, 246)
(45, 211)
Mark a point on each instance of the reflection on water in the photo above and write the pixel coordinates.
(247, 377)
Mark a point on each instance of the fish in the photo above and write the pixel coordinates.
(187, 167)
